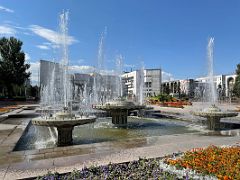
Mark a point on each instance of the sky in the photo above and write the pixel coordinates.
(167, 34)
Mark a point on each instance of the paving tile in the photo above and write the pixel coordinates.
(34, 157)
(31, 165)
(28, 152)
(3, 170)
(22, 153)
(53, 154)
(61, 148)
(48, 150)
(6, 160)
(5, 149)
(70, 161)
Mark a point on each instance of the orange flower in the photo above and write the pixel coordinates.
(222, 162)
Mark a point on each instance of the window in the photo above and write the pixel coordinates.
(148, 84)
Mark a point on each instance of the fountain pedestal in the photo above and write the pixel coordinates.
(64, 122)
(213, 115)
(65, 135)
(213, 123)
(119, 117)
(119, 109)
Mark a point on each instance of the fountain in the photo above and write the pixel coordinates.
(64, 120)
(141, 84)
(213, 113)
(119, 109)
(119, 71)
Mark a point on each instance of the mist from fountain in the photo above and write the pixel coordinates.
(65, 60)
(97, 80)
(119, 70)
(211, 93)
(141, 85)
(48, 93)
(58, 90)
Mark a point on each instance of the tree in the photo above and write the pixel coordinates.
(236, 87)
(13, 70)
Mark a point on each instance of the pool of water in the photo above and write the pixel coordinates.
(37, 137)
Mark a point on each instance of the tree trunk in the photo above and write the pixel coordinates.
(9, 90)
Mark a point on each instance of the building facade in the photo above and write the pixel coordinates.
(148, 81)
(197, 87)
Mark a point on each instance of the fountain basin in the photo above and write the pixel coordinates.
(64, 126)
(102, 131)
(51, 122)
(119, 109)
(213, 115)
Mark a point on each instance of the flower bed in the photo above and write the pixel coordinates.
(177, 104)
(141, 169)
(210, 163)
(222, 162)
(4, 110)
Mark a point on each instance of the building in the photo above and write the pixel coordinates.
(229, 83)
(187, 87)
(147, 81)
(222, 83)
(171, 87)
(197, 87)
(46, 71)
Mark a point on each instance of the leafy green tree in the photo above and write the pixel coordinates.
(236, 88)
(13, 69)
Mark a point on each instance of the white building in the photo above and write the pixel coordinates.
(196, 87)
(151, 83)
(223, 82)
(47, 68)
(187, 87)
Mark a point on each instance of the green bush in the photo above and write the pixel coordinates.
(164, 97)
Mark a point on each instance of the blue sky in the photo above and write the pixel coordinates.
(170, 34)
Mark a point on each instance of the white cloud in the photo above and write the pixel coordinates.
(43, 47)
(7, 30)
(6, 9)
(27, 57)
(167, 76)
(108, 72)
(34, 69)
(88, 69)
(54, 37)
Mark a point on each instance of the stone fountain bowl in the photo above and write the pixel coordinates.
(119, 104)
(214, 111)
(215, 114)
(57, 122)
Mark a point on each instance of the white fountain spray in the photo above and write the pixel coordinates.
(100, 58)
(212, 94)
(52, 88)
(98, 86)
(141, 84)
(65, 60)
(119, 69)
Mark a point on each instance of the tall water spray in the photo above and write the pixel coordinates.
(119, 70)
(98, 85)
(56, 93)
(141, 84)
(212, 94)
(65, 61)
(48, 90)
